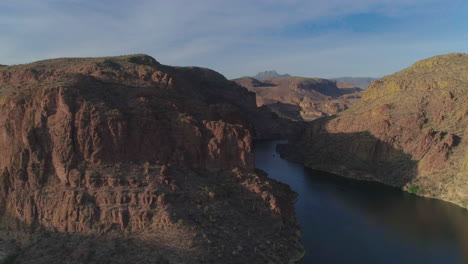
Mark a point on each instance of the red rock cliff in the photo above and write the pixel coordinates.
(127, 144)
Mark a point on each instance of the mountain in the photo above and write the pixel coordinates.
(269, 75)
(300, 98)
(125, 160)
(361, 82)
(410, 130)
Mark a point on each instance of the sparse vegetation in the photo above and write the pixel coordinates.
(180, 222)
(191, 244)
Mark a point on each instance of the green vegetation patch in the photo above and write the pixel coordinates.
(414, 189)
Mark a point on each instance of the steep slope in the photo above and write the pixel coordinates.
(299, 98)
(269, 75)
(122, 159)
(410, 130)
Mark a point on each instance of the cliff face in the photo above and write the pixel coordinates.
(300, 98)
(104, 146)
(410, 130)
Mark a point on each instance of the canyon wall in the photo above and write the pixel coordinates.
(410, 130)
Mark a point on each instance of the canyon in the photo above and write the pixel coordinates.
(126, 160)
(300, 98)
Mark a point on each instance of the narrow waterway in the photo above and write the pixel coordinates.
(347, 221)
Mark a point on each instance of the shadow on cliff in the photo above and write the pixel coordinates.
(359, 156)
(44, 246)
(285, 110)
(206, 222)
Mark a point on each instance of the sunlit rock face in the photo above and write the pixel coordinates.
(409, 130)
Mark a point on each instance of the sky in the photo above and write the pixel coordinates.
(310, 38)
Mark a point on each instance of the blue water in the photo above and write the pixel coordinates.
(346, 221)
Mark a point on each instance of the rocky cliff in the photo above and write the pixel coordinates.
(122, 159)
(410, 130)
(299, 98)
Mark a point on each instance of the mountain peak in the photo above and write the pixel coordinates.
(269, 75)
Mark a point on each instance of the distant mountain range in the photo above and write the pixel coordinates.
(261, 76)
(361, 82)
(301, 98)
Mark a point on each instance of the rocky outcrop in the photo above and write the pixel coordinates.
(92, 149)
(300, 98)
(410, 130)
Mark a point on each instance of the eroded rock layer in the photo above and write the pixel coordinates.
(101, 158)
(299, 98)
(410, 130)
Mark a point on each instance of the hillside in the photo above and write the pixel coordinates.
(126, 160)
(410, 130)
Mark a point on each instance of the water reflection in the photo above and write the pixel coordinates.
(346, 221)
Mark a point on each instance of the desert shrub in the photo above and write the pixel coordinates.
(414, 189)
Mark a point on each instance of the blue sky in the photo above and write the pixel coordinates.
(311, 38)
